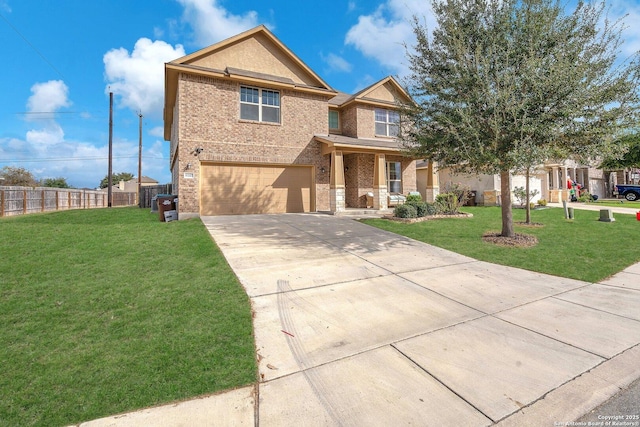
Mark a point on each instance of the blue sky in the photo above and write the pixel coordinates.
(61, 58)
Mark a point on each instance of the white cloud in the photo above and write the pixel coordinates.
(157, 131)
(336, 63)
(47, 154)
(82, 164)
(48, 97)
(45, 100)
(137, 79)
(382, 34)
(212, 23)
(50, 135)
(629, 12)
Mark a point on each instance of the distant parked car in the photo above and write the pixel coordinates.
(628, 191)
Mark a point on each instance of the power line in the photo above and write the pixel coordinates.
(32, 46)
(75, 159)
(26, 113)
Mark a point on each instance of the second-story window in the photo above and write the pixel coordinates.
(334, 120)
(387, 122)
(260, 105)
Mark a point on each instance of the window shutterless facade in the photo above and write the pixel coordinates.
(260, 105)
(386, 122)
(394, 177)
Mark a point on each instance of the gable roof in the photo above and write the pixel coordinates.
(254, 56)
(384, 93)
(144, 179)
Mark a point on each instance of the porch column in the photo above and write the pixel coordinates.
(556, 179)
(336, 183)
(433, 183)
(379, 183)
(564, 194)
(554, 191)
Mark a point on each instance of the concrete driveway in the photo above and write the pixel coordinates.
(355, 326)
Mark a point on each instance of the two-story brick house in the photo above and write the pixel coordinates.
(254, 130)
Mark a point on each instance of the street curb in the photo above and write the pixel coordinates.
(581, 395)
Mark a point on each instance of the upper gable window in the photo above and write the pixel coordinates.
(260, 105)
(387, 122)
(334, 120)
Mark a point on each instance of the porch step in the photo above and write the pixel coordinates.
(366, 213)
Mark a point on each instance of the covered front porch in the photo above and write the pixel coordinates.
(366, 173)
(560, 175)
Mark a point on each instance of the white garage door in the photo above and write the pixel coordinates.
(229, 189)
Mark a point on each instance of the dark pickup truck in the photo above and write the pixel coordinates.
(628, 191)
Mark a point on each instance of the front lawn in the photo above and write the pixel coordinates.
(583, 248)
(621, 203)
(108, 310)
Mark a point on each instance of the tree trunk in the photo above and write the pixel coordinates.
(507, 213)
(527, 198)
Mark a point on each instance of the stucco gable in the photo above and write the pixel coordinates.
(256, 51)
(385, 90)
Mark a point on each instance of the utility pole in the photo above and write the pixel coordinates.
(140, 160)
(110, 183)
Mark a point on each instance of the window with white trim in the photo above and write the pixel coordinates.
(386, 122)
(394, 177)
(260, 105)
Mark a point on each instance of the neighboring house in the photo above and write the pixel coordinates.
(550, 180)
(254, 130)
(131, 186)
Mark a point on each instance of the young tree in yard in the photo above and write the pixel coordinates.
(17, 176)
(500, 85)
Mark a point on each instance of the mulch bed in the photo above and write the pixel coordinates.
(519, 240)
(427, 218)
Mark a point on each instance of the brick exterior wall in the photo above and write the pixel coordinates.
(358, 179)
(349, 117)
(209, 118)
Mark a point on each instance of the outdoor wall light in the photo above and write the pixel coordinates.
(322, 169)
(188, 166)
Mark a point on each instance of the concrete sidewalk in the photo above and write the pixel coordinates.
(357, 326)
(594, 207)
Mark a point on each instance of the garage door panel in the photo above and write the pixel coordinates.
(250, 189)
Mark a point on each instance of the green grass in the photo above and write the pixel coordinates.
(583, 248)
(617, 203)
(109, 310)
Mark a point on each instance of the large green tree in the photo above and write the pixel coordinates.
(501, 85)
(17, 176)
(630, 158)
(116, 178)
(59, 182)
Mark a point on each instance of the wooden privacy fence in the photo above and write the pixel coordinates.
(148, 192)
(26, 200)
